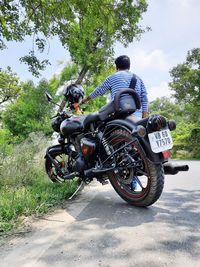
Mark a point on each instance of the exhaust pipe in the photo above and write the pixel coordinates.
(173, 169)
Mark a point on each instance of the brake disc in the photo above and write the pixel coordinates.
(125, 174)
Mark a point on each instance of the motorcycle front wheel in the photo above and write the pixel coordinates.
(148, 177)
(61, 160)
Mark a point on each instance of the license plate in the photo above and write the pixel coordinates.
(160, 140)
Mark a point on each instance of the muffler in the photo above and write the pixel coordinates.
(170, 168)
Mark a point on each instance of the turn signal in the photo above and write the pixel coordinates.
(171, 125)
(141, 131)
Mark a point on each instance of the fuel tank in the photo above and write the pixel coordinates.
(73, 125)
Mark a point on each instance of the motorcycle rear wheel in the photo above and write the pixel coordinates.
(150, 181)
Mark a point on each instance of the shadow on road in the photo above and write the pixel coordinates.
(109, 232)
(177, 207)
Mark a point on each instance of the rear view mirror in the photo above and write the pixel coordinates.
(50, 99)
(48, 96)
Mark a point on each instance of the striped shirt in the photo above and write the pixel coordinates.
(121, 80)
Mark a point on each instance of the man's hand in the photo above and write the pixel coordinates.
(145, 114)
(85, 100)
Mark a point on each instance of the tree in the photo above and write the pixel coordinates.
(10, 86)
(12, 23)
(29, 113)
(88, 29)
(166, 107)
(186, 79)
(186, 86)
(15, 25)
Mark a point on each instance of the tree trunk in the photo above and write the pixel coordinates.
(82, 74)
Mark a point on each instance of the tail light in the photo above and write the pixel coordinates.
(166, 154)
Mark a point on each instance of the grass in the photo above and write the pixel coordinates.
(24, 186)
(27, 200)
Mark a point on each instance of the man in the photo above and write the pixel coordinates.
(119, 80)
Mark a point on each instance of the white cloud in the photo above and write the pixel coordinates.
(155, 59)
(184, 4)
(159, 90)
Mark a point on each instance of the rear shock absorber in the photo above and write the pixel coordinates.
(106, 146)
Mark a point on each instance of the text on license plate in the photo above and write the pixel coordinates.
(160, 140)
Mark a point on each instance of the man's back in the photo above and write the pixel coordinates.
(121, 80)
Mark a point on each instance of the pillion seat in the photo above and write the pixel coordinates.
(126, 102)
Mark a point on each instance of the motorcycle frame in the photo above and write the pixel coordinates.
(123, 124)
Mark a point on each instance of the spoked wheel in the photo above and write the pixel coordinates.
(136, 180)
(62, 160)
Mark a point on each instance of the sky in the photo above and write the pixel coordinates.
(175, 29)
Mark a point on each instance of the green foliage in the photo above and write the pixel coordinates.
(164, 106)
(95, 80)
(12, 23)
(68, 73)
(186, 86)
(186, 137)
(34, 64)
(24, 186)
(10, 87)
(5, 146)
(29, 113)
(92, 31)
(88, 29)
(185, 143)
(186, 80)
(194, 141)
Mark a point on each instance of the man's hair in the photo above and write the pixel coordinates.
(122, 62)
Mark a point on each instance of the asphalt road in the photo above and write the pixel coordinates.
(99, 229)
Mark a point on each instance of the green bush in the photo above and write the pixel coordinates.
(29, 113)
(186, 139)
(5, 145)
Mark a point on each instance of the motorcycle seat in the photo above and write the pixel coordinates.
(125, 102)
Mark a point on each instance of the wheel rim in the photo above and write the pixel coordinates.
(143, 181)
(61, 160)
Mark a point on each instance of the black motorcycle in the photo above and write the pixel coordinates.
(110, 146)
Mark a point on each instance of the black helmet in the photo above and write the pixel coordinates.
(74, 93)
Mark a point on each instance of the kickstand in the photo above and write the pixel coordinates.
(81, 186)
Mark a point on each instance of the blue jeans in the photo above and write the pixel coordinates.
(137, 114)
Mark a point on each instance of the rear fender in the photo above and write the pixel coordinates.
(144, 142)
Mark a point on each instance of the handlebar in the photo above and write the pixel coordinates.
(64, 114)
(61, 114)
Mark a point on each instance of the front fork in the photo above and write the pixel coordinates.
(58, 150)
